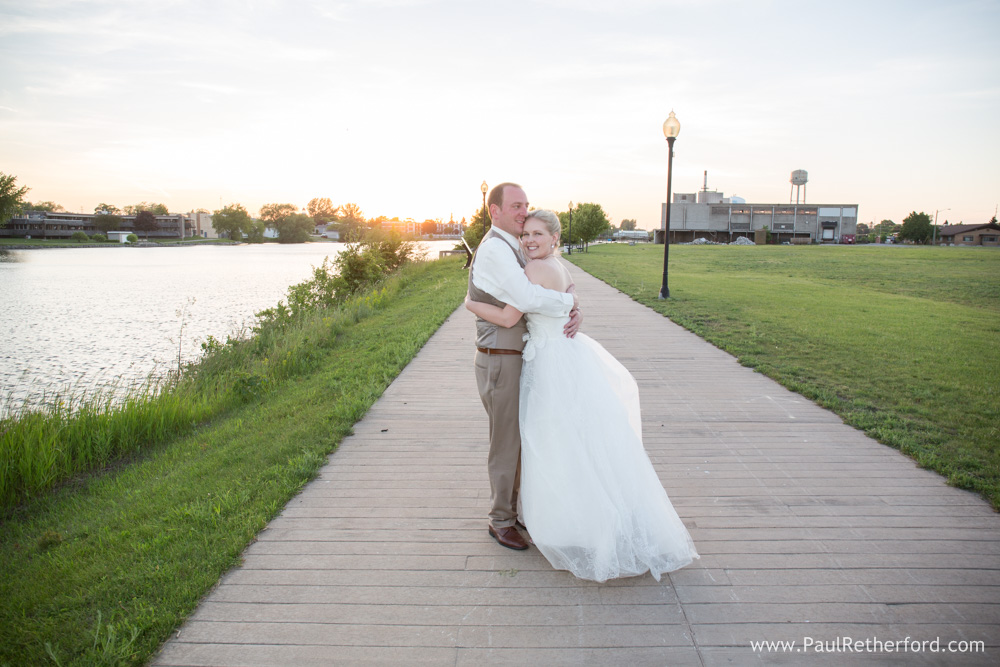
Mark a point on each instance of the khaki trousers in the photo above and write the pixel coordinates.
(499, 381)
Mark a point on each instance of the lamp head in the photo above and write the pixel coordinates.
(671, 126)
(484, 187)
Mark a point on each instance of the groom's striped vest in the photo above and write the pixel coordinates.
(488, 334)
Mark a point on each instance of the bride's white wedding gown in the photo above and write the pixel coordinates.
(590, 497)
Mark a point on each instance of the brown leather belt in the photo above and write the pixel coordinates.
(490, 350)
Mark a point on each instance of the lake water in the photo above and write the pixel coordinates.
(78, 319)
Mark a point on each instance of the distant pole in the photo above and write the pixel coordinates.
(671, 128)
(484, 188)
(571, 227)
(934, 228)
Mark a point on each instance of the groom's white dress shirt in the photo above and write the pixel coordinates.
(498, 274)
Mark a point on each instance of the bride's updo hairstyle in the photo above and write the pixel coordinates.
(550, 220)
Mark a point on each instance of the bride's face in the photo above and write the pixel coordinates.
(536, 239)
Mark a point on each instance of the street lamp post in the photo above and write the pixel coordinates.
(486, 214)
(934, 228)
(671, 128)
(571, 227)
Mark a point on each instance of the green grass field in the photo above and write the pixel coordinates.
(101, 570)
(901, 342)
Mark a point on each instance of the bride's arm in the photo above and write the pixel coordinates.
(505, 317)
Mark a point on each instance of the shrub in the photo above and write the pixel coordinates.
(79, 237)
(361, 265)
(99, 238)
(132, 238)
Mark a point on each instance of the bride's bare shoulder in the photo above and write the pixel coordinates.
(547, 272)
(537, 268)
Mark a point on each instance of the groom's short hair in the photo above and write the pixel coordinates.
(496, 195)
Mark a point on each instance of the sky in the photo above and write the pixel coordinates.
(405, 107)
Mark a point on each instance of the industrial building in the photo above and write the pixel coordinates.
(710, 215)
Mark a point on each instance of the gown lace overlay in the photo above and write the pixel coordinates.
(590, 497)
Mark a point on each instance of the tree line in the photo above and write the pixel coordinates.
(582, 225)
(589, 220)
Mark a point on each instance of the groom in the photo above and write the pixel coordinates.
(497, 277)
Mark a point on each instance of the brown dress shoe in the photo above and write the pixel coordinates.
(508, 537)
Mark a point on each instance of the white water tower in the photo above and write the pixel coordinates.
(798, 179)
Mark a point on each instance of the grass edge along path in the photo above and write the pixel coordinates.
(103, 571)
(899, 342)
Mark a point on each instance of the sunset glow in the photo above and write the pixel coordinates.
(405, 106)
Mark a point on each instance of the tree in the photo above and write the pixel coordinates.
(146, 222)
(322, 210)
(351, 222)
(11, 197)
(628, 225)
(233, 221)
(271, 213)
(993, 220)
(255, 234)
(47, 206)
(352, 213)
(155, 209)
(863, 229)
(429, 227)
(107, 222)
(887, 227)
(916, 227)
(107, 208)
(294, 228)
(477, 229)
(589, 222)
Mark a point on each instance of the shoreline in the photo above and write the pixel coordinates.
(148, 244)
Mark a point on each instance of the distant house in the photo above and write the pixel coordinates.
(119, 236)
(985, 235)
(327, 231)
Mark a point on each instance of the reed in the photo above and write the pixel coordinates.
(48, 442)
(104, 569)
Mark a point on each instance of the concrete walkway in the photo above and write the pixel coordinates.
(808, 532)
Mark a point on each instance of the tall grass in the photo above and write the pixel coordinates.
(43, 445)
(103, 570)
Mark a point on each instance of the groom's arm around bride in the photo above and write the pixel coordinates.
(497, 277)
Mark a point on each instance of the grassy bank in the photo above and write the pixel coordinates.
(102, 569)
(900, 342)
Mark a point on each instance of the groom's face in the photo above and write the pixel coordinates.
(513, 211)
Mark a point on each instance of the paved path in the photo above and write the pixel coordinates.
(807, 530)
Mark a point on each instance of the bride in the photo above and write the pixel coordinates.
(590, 498)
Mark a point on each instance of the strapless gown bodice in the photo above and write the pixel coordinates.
(541, 330)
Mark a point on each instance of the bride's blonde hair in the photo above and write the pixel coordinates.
(551, 222)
